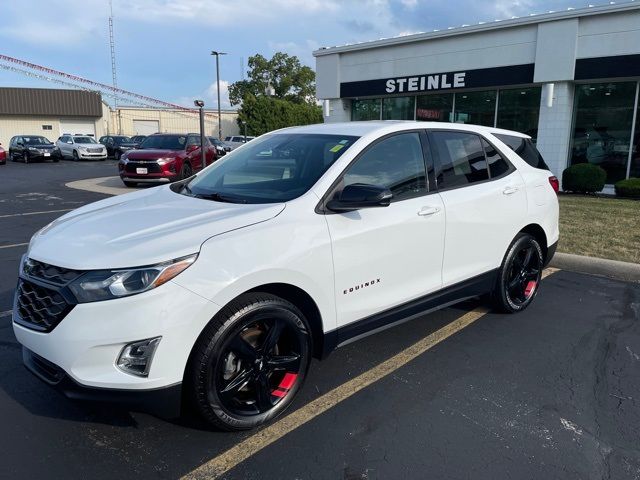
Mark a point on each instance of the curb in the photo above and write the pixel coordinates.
(628, 272)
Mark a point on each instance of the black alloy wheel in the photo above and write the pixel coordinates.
(249, 364)
(520, 275)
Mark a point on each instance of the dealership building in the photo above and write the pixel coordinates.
(569, 79)
(52, 112)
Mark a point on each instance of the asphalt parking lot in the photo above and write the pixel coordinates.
(549, 393)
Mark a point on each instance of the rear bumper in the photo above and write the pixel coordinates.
(164, 402)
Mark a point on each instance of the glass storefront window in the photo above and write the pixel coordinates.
(398, 108)
(435, 108)
(634, 171)
(478, 108)
(603, 115)
(365, 109)
(519, 109)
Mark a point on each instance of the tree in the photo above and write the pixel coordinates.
(290, 80)
(263, 114)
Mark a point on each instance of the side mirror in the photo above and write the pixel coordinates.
(70, 142)
(359, 195)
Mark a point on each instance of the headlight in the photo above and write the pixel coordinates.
(108, 284)
(164, 161)
(32, 149)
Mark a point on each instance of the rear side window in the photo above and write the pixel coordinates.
(498, 166)
(461, 157)
(525, 149)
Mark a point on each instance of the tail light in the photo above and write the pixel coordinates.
(555, 184)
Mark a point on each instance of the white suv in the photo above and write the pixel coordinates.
(221, 287)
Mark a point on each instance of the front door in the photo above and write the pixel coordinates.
(386, 256)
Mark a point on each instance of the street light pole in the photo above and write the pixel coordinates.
(217, 55)
(203, 158)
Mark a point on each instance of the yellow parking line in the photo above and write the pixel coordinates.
(14, 245)
(224, 462)
(35, 213)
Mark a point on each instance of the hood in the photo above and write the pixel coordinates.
(152, 154)
(141, 228)
(127, 145)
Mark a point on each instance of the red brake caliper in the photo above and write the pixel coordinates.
(530, 288)
(285, 385)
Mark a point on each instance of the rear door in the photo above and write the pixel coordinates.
(484, 200)
(387, 256)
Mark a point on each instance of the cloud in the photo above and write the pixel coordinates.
(209, 96)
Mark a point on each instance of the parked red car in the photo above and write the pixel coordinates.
(164, 158)
(3, 156)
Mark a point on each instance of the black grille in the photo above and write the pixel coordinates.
(49, 273)
(151, 167)
(40, 308)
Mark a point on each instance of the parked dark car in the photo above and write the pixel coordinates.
(138, 139)
(29, 148)
(117, 144)
(3, 156)
(221, 148)
(164, 158)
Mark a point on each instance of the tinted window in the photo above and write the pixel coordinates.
(121, 140)
(525, 150)
(36, 141)
(84, 140)
(273, 168)
(498, 166)
(395, 163)
(461, 158)
(193, 140)
(165, 142)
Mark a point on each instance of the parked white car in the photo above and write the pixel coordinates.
(81, 147)
(224, 285)
(236, 141)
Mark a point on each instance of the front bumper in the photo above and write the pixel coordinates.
(92, 156)
(165, 402)
(85, 345)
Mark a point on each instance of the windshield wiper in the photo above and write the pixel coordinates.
(219, 197)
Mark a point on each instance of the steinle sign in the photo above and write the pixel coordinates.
(426, 82)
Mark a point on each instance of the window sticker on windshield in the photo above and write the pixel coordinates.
(337, 148)
(343, 142)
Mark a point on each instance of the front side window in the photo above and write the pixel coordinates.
(395, 163)
(462, 160)
(273, 168)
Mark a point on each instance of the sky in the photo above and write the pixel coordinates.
(163, 46)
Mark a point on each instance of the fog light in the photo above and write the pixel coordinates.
(135, 358)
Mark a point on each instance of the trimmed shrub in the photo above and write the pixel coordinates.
(629, 188)
(583, 178)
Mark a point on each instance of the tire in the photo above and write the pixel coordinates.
(240, 375)
(76, 158)
(186, 171)
(130, 184)
(519, 276)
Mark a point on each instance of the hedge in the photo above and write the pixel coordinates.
(629, 188)
(583, 178)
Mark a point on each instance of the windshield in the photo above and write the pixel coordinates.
(36, 141)
(120, 140)
(84, 140)
(273, 168)
(164, 142)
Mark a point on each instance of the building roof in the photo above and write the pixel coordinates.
(483, 27)
(49, 102)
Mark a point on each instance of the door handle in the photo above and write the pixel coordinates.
(428, 211)
(510, 190)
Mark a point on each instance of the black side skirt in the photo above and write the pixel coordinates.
(448, 296)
